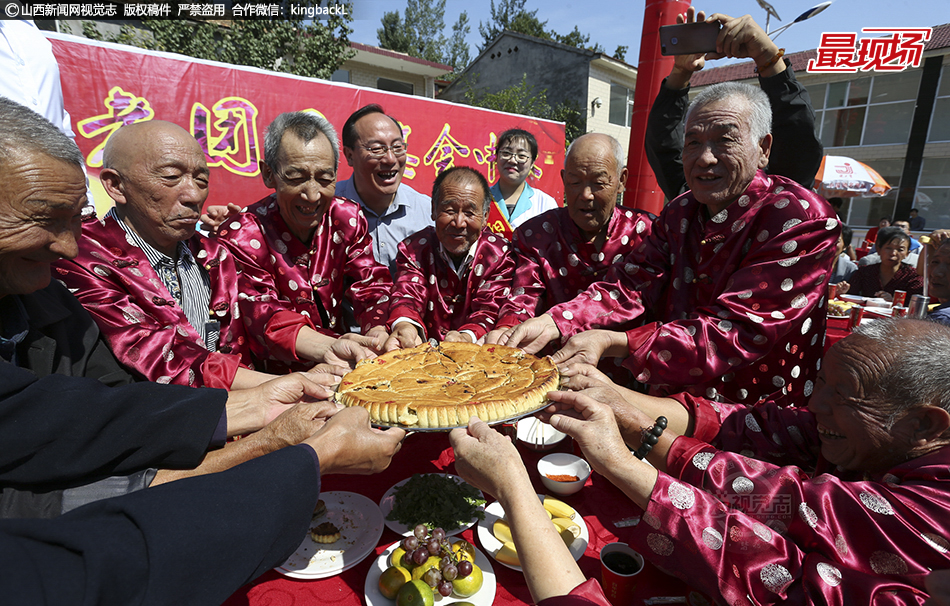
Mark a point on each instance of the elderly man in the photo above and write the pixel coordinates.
(844, 503)
(376, 150)
(451, 279)
(735, 271)
(796, 150)
(565, 250)
(164, 296)
(302, 251)
(60, 431)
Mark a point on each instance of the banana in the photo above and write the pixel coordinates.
(502, 532)
(508, 555)
(559, 509)
(568, 529)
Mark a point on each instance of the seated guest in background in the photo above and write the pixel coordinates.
(44, 329)
(881, 279)
(565, 250)
(735, 272)
(302, 251)
(451, 279)
(375, 148)
(857, 484)
(843, 266)
(914, 244)
(514, 200)
(796, 150)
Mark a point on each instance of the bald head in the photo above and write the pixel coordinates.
(158, 176)
(593, 175)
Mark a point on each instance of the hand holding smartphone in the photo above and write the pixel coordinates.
(689, 38)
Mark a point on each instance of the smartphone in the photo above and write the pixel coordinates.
(689, 38)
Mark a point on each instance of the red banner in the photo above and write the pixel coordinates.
(227, 108)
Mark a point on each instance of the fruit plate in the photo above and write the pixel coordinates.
(388, 500)
(361, 525)
(483, 597)
(491, 544)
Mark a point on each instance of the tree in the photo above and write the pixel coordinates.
(523, 99)
(621, 52)
(511, 14)
(576, 38)
(393, 34)
(420, 34)
(314, 48)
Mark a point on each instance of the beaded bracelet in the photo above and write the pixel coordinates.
(772, 61)
(650, 437)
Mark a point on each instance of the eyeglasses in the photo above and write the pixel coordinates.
(520, 158)
(379, 150)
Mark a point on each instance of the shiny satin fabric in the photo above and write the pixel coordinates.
(144, 326)
(740, 296)
(428, 291)
(286, 284)
(748, 529)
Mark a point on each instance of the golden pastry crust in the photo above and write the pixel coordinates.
(326, 532)
(429, 387)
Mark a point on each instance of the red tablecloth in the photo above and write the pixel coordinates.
(836, 329)
(599, 502)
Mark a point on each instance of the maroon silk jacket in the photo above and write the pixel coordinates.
(740, 296)
(428, 291)
(146, 329)
(286, 284)
(784, 532)
(554, 266)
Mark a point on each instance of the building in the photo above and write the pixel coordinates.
(375, 67)
(599, 85)
(896, 122)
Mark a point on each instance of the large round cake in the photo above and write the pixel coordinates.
(433, 387)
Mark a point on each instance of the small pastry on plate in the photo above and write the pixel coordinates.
(320, 509)
(325, 533)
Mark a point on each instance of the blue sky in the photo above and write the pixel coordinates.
(617, 22)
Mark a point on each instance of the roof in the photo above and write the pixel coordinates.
(391, 57)
(939, 39)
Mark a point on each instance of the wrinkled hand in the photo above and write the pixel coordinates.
(481, 453)
(327, 375)
(404, 335)
(684, 66)
(593, 427)
(532, 335)
(296, 425)
(938, 237)
(214, 216)
(278, 395)
(454, 336)
(843, 287)
(494, 337)
(741, 37)
(347, 352)
(347, 443)
(375, 338)
(583, 379)
(590, 346)
(587, 370)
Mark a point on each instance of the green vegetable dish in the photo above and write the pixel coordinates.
(437, 501)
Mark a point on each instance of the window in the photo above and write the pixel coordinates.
(933, 192)
(621, 105)
(341, 75)
(394, 86)
(868, 211)
(874, 110)
(940, 127)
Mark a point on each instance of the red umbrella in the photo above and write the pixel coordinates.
(847, 178)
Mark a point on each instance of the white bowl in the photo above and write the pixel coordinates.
(562, 463)
(537, 435)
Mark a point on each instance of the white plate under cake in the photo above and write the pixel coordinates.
(440, 387)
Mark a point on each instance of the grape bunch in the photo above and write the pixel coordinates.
(422, 545)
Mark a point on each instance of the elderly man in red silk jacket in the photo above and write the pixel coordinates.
(564, 250)
(451, 279)
(735, 271)
(164, 296)
(303, 250)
